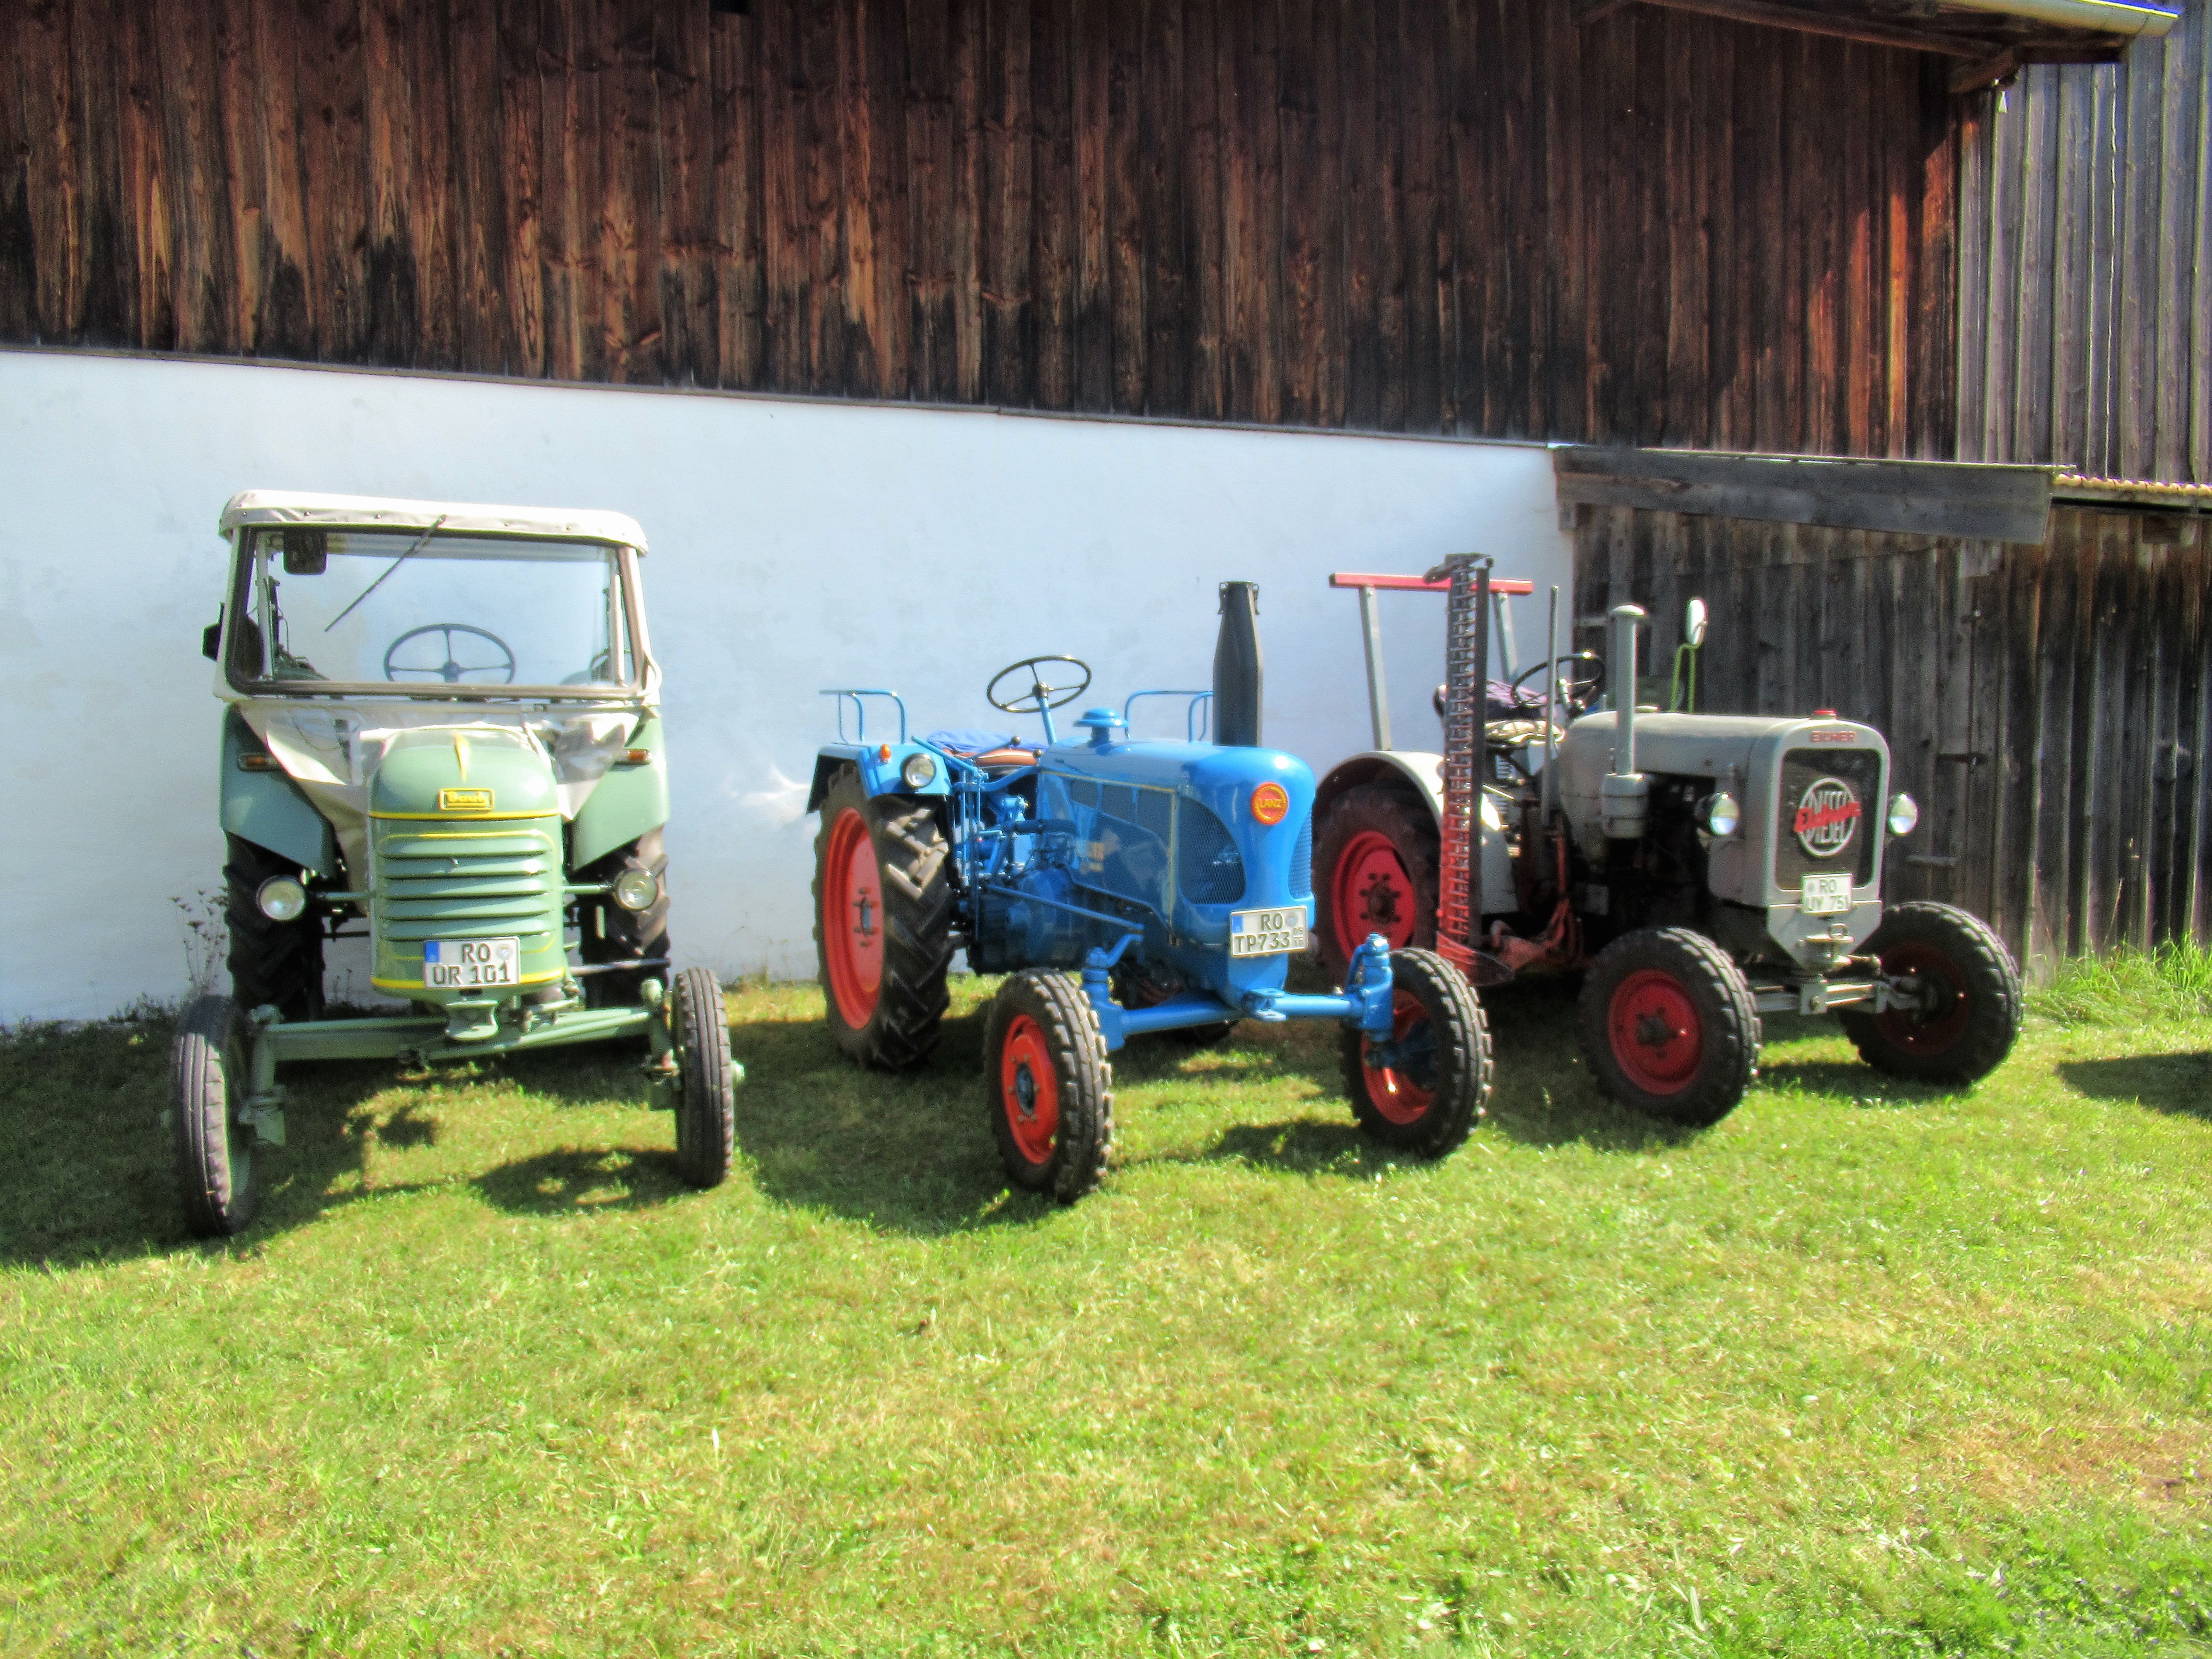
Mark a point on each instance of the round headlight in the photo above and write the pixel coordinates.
(1720, 814)
(635, 889)
(920, 771)
(1904, 813)
(281, 898)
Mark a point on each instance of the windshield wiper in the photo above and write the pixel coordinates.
(420, 541)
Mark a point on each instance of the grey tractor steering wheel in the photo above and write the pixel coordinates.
(1578, 689)
(450, 670)
(1042, 693)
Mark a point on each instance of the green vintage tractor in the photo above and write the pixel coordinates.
(442, 733)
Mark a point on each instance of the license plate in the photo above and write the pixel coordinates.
(469, 964)
(1826, 896)
(1266, 933)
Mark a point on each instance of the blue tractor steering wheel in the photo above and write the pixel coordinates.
(450, 670)
(1041, 695)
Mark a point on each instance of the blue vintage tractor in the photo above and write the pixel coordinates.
(1125, 887)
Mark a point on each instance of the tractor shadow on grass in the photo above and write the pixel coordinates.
(2179, 1085)
(85, 1172)
(909, 1153)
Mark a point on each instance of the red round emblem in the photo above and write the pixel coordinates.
(1271, 803)
(1827, 818)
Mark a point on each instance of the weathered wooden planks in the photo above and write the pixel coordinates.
(2086, 283)
(1463, 216)
(2049, 706)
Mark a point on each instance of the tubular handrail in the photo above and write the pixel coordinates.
(860, 710)
(1190, 720)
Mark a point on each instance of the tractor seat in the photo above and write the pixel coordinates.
(989, 750)
(1514, 734)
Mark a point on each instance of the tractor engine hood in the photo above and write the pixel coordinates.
(334, 750)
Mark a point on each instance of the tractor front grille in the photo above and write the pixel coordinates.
(1302, 860)
(493, 882)
(1850, 818)
(1209, 870)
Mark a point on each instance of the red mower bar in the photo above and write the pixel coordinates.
(1419, 583)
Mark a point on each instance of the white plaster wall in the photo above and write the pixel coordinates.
(794, 545)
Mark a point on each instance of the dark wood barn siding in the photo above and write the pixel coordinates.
(2085, 265)
(2050, 708)
(1460, 216)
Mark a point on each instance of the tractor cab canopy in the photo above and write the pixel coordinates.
(357, 596)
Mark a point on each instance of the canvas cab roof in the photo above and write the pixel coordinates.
(281, 507)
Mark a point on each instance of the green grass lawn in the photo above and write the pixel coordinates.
(1866, 1369)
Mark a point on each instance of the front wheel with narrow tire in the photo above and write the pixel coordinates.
(209, 1076)
(883, 923)
(1376, 856)
(1669, 1025)
(706, 1108)
(1048, 1085)
(1968, 991)
(1424, 1089)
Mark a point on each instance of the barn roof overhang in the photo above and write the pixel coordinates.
(1989, 40)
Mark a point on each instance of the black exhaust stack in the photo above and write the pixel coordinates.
(1237, 672)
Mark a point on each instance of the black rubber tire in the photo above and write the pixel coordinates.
(1405, 820)
(214, 1152)
(1967, 1042)
(706, 1105)
(1055, 1007)
(1132, 990)
(912, 862)
(1713, 988)
(1455, 1071)
(614, 935)
(271, 962)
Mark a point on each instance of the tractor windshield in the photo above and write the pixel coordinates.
(427, 610)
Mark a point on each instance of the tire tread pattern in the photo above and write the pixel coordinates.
(706, 1110)
(1405, 820)
(1084, 1077)
(1466, 1065)
(1993, 982)
(912, 853)
(271, 962)
(1732, 1029)
(219, 1198)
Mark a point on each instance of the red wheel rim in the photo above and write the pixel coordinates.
(1370, 893)
(1658, 1039)
(852, 919)
(1029, 1091)
(1392, 1090)
(1908, 1031)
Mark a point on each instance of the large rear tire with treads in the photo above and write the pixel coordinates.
(1376, 859)
(1669, 1028)
(271, 962)
(1973, 983)
(883, 923)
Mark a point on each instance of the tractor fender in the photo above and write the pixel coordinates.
(1418, 773)
(631, 798)
(268, 809)
(880, 766)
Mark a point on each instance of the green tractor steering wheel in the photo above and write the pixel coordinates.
(450, 670)
(1041, 695)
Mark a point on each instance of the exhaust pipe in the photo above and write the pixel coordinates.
(1625, 793)
(1236, 668)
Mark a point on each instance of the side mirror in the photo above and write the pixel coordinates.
(212, 639)
(1694, 623)
(307, 550)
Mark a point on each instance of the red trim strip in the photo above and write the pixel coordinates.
(1417, 585)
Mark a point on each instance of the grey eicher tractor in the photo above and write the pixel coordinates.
(1701, 869)
(1124, 887)
(441, 722)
